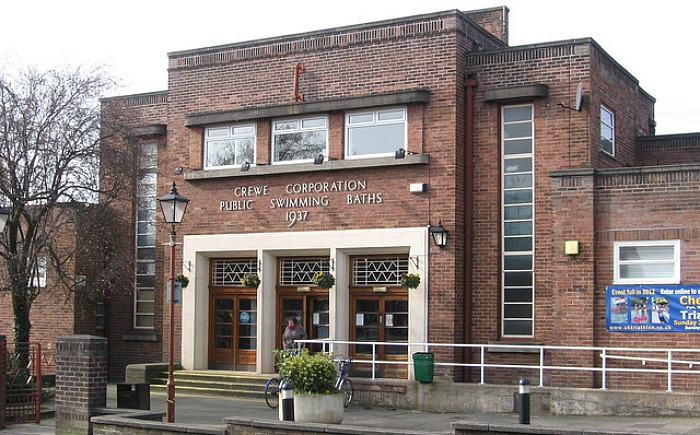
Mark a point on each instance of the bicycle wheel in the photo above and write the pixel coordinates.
(272, 390)
(345, 387)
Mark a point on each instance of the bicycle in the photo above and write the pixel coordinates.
(343, 382)
(272, 390)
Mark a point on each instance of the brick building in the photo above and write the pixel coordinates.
(342, 150)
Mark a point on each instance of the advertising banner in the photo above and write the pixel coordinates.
(653, 308)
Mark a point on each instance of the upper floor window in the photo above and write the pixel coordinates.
(299, 139)
(229, 145)
(607, 130)
(647, 262)
(375, 133)
(39, 273)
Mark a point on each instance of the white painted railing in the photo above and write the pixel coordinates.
(624, 360)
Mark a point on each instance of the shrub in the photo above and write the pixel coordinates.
(310, 373)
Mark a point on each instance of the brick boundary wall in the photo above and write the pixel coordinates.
(81, 382)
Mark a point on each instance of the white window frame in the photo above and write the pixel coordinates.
(39, 273)
(299, 129)
(375, 114)
(231, 132)
(506, 254)
(145, 265)
(618, 263)
(606, 111)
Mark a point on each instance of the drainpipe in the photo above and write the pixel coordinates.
(470, 85)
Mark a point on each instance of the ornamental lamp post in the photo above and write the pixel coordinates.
(173, 206)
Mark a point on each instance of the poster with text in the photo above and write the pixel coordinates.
(653, 308)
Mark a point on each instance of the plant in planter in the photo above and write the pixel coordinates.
(324, 279)
(183, 280)
(410, 280)
(316, 399)
(251, 280)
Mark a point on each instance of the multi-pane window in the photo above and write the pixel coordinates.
(375, 133)
(647, 262)
(144, 296)
(299, 139)
(607, 130)
(230, 272)
(229, 145)
(39, 273)
(518, 221)
(300, 271)
(378, 271)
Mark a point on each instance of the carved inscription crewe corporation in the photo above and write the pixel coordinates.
(296, 200)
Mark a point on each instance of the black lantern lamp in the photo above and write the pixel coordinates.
(173, 206)
(439, 234)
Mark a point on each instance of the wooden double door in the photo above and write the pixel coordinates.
(233, 317)
(310, 309)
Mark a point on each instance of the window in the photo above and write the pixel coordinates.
(375, 133)
(230, 145)
(378, 271)
(230, 272)
(300, 271)
(39, 273)
(648, 262)
(145, 274)
(607, 130)
(518, 192)
(299, 139)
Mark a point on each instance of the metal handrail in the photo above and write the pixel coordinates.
(606, 354)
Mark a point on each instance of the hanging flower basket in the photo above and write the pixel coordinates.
(324, 279)
(410, 280)
(251, 281)
(183, 280)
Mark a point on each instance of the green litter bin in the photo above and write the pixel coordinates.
(423, 364)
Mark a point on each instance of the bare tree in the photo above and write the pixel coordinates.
(50, 127)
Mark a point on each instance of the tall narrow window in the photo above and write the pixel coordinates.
(607, 130)
(144, 295)
(39, 273)
(518, 221)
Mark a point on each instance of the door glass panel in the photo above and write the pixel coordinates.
(247, 321)
(320, 318)
(396, 325)
(366, 323)
(223, 326)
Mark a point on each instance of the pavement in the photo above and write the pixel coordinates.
(211, 410)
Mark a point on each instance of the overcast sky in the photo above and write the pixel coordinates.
(657, 42)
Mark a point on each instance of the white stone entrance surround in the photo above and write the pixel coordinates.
(267, 247)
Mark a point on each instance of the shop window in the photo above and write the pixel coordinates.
(648, 262)
(229, 145)
(299, 140)
(607, 130)
(375, 132)
(518, 226)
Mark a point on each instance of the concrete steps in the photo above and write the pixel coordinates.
(241, 385)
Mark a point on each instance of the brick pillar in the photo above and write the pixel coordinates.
(81, 382)
(3, 378)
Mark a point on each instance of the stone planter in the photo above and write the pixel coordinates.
(319, 408)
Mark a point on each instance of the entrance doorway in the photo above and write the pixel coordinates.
(233, 320)
(312, 311)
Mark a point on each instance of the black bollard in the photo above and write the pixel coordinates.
(524, 390)
(287, 396)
